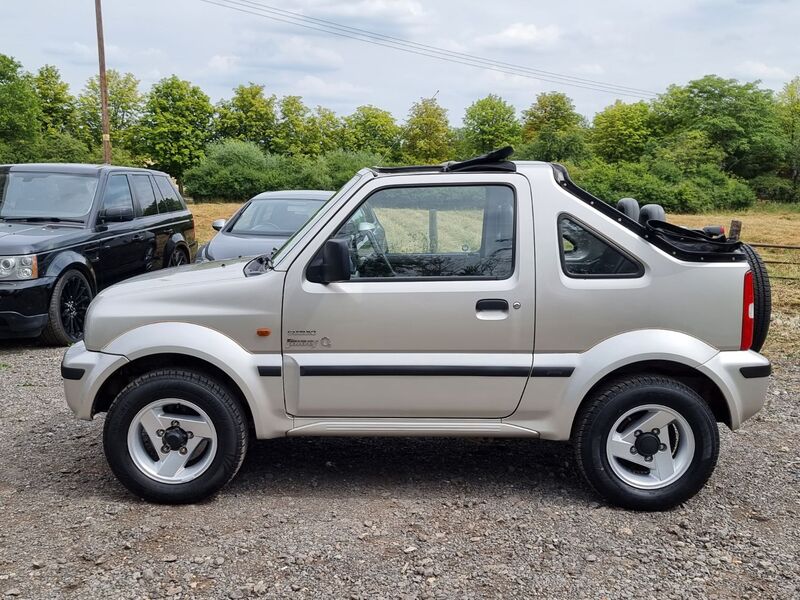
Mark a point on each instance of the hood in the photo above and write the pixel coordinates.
(231, 245)
(34, 238)
(213, 294)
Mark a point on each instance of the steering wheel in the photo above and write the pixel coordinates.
(267, 225)
(379, 250)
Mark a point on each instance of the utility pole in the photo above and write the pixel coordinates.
(101, 54)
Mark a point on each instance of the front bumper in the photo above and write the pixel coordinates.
(743, 377)
(24, 306)
(84, 372)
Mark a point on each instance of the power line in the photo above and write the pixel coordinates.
(244, 6)
(326, 23)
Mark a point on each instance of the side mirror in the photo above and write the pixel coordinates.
(218, 225)
(335, 263)
(116, 214)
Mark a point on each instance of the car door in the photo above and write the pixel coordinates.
(120, 251)
(152, 239)
(437, 318)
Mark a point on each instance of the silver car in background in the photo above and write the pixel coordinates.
(262, 224)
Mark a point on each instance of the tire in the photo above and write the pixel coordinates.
(178, 257)
(652, 212)
(629, 207)
(762, 296)
(693, 449)
(69, 302)
(206, 468)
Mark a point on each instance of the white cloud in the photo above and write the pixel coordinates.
(406, 11)
(590, 69)
(223, 63)
(759, 70)
(316, 87)
(298, 52)
(522, 35)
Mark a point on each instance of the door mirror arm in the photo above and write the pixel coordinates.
(332, 262)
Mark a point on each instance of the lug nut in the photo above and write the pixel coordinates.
(183, 450)
(637, 433)
(656, 430)
(160, 433)
(648, 458)
(662, 447)
(633, 450)
(175, 423)
(165, 449)
(190, 434)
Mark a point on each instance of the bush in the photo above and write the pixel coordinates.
(775, 188)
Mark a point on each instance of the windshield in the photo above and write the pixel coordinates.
(281, 252)
(46, 196)
(275, 216)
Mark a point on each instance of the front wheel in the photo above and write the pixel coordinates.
(69, 302)
(646, 442)
(175, 436)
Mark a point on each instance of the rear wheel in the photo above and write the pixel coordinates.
(647, 442)
(178, 257)
(67, 313)
(175, 436)
(762, 296)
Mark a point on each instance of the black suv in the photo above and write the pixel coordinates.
(67, 231)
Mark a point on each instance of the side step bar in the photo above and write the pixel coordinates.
(408, 427)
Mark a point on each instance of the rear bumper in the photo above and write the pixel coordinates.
(24, 306)
(84, 372)
(743, 377)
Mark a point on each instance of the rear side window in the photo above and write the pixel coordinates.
(145, 196)
(170, 201)
(118, 193)
(584, 254)
(433, 232)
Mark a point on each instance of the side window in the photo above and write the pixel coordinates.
(145, 196)
(433, 232)
(118, 194)
(584, 254)
(170, 201)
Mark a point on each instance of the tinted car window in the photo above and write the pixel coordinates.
(585, 254)
(276, 216)
(442, 231)
(170, 201)
(46, 195)
(145, 196)
(118, 193)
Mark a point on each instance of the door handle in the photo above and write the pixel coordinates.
(138, 237)
(492, 304)
(169, 231)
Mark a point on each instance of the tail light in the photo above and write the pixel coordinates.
(748, 312)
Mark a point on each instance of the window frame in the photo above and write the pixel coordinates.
(138, 208)
(563, 216)
(515, 206)
(102, 203)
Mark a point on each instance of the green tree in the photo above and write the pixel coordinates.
(552, 111)
(490, 123)
(622, 131)
(20, 112)
(292, 124)
(175, 125)
(249, 116)
(789, 119)
(59, 107)
(372, 130)
(740, 118)
(232, 170)
(125, 103)
(427, 137)
(62, 147)
(553, 130)
(322, 132)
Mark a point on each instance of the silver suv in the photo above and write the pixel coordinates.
(498, 300)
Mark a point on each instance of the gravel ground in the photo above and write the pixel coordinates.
(385, 518)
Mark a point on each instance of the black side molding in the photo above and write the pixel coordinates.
(72, 373)
(417, 370)
(552, 371)
(269, 371)
(755, 372)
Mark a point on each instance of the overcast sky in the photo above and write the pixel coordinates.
(634, 43)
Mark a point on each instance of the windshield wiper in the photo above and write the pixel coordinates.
(43, 219)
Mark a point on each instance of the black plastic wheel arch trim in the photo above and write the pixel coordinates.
(415, 370)
(552, 371)
(756, 371)
(269, 371)
(72, 373)
(563, 180)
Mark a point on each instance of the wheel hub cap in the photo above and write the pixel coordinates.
(175, 438)
(647, 443)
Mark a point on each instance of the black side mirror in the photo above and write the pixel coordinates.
(116, 214)
(331, 263)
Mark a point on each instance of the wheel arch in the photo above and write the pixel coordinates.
(69, 259)
(176, 241)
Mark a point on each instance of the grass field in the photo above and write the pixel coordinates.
(765, 224)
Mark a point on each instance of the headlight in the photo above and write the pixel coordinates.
(18, 267)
